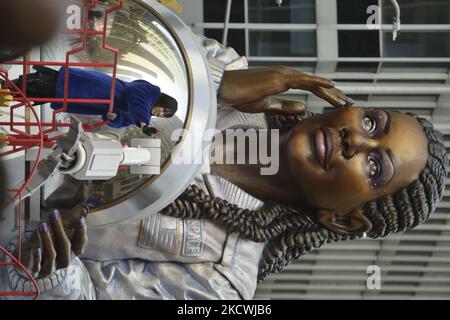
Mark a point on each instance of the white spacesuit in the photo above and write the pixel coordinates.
(164, 257)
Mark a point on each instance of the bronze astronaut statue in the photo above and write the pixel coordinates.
(343, 175)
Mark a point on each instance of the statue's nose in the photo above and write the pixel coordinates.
(354, 142)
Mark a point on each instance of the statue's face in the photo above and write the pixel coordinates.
(345, 158)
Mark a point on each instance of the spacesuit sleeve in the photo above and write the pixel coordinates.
(131, 279)
(72, 283)
(141, 96)
(220, 58)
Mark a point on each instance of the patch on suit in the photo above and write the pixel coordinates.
(192, 238)
(73, 279)
(160, 232)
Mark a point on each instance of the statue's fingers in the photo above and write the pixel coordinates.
(61, 244)
(342, 96)
(334, 96)
(302, 81)
(254, 107)
(34, 265)
(69, 217)
(79, 239)
(274, 106)
(48, 251)
(286, 107)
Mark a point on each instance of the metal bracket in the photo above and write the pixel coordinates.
(49, 166)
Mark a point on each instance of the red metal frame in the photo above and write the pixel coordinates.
(19, 140)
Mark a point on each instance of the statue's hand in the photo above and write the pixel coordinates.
(55, 243)
(334, 96)
(251, 90)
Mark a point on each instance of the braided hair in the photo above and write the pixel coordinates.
(289, 233)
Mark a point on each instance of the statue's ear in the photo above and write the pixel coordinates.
(351, 223)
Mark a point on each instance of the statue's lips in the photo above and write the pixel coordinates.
(323, 145)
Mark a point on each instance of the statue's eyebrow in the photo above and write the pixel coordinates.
(394, 163)
(387, 126)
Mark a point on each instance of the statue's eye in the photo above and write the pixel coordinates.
(374, 167)
(369, 124)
